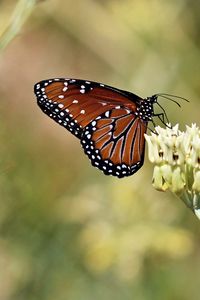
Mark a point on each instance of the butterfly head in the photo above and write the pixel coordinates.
(153, 99)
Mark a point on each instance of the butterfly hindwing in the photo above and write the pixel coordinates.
(114, 142)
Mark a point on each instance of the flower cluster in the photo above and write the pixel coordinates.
(176, 156)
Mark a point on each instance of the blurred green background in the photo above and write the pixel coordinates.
(66, 230)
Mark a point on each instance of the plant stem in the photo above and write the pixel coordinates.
(21, 13)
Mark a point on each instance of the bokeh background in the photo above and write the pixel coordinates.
(66, 230)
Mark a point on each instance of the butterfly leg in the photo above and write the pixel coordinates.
(162, 117)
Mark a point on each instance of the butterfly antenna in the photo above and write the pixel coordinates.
(166, 97)
(173, 96)
(170, 97)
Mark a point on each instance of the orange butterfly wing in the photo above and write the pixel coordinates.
(75, 103)
(114, 142)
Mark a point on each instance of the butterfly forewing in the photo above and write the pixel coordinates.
(75, 103)
(105, 119)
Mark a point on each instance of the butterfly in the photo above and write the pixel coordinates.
(110, 123)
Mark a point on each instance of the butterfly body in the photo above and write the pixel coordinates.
(109, 122)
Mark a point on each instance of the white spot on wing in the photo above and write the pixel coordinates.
(107, 114)
(82, 111)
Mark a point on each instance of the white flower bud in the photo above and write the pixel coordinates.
(196, 184)
(178, 180)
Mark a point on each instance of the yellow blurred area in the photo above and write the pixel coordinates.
(66, 230)
(119, 234)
